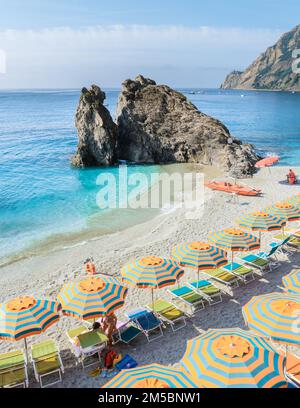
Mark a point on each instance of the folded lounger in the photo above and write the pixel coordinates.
(241, 271)
(169, 314)
(147, 322)
(208, 291)
(47, 362)
(224, 277)
(188, 297)
(13, 370)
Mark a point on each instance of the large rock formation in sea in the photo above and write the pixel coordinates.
(272, 70)
(97, 132)
(159, 125)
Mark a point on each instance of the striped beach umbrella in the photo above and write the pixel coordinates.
(234, 240)
(234, 358)
(26, 316)
(285, 209)
(291, 282)
(199, 255)
(262, 221)
(276, 316)
(153, 376)
(92, 297)
(152, 273)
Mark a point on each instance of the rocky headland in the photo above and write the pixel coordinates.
(155, 124)
(272, 70)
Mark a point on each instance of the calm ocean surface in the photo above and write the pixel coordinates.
(43, 199)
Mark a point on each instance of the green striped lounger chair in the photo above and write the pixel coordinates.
(188, 297)
(47, 362)
(241, 271)
(224, 277)
(169, 313)
(13, 370)
(208, 291)
(258, 262)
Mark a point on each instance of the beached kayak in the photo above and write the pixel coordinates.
(232, 188)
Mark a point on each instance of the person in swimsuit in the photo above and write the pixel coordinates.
(109, 326)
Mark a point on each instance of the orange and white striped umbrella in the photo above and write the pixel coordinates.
(92, 297)
(276, 316)
(234, 358)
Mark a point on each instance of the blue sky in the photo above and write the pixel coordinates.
(78, 13)
(71, 43)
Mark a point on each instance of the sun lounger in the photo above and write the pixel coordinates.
(188, 297)
(257, 262)
(126, 332)
(294, 242)
(208, 291)
(13, 370)
(169, 314)
(47, 362)
(293, 369)
(241, 271)
(147, 322)
(224, 277)
(86, 344)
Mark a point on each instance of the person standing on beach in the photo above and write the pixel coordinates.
(109, 326)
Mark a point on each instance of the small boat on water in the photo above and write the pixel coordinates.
(232, 188)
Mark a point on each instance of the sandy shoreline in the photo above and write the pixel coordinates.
(44, 275)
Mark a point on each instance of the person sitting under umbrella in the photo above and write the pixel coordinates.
(291, 177)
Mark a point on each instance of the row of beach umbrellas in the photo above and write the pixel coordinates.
(271, 316)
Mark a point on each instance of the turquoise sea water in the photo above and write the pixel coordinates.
(43, 198)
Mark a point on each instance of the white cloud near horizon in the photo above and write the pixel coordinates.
(178, 55)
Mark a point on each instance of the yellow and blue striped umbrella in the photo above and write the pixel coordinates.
(92, 297)
(292, 281)
(285, 209)
(234, 240)
(234, 358)
(262, 221)
(25, 316)
(276, 316)
(199, 255)
(153, 376)
(152, 272)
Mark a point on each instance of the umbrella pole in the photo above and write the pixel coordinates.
(198, 278)
(232, 259)
(152, 293)
(26, 349)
